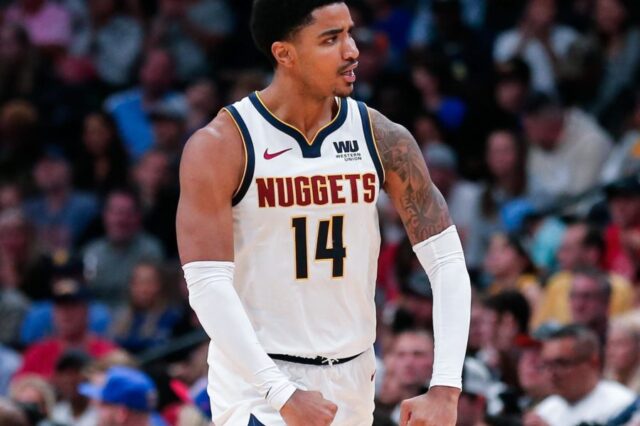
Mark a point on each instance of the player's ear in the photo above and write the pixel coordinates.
(283, 52)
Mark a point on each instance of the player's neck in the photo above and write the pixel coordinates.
(295, 106)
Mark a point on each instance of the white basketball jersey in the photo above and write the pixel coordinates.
(306, 231)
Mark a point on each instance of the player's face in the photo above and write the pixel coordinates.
(326, 54)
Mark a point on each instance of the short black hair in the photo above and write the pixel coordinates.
(598, 276)
(587, 342)
(276, 20)
(514, 303)
(594, 239)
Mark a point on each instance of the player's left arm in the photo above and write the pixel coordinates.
(435, 240)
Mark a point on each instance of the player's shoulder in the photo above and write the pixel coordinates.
(219, 142)
(220, 133)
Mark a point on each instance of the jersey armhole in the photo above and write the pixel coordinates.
(249, 156)
(372, 145)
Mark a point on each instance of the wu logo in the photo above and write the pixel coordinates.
(343, 147)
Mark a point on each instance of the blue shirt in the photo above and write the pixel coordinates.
(132, 118)
(64, 227)
(38, 322)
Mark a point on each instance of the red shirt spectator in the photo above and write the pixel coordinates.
(41, 357)
(623, 235)
(71, 330)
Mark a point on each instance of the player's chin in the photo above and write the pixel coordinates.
(344, 90)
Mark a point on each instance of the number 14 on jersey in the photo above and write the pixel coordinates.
(335, 253)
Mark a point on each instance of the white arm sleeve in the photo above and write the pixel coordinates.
(218, 307)
(442, 258)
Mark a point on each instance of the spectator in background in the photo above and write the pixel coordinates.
(414, 307)
(462, 196)
(153, 180)
(10, 196)
(394, 20)
(19, 143)
(36, 397)
(59, 213)
(203, 99)
(413, 352)
(619, 44)
(502, 112)
(244, 83)
(47, 22)
(112, 41)
(13, 303)
(192, 30)
(622, 354)
(126, 398)
(130, 108)
(568, 147)
(168, 126)
(72, 408)
(622, 236)
(582, 246)
(511, 90)
(465, 51)
(13, 308)
(624, 160)
(540, 41)
(149, 318)
(476, 327)
(533, 380)
(407, 371)
(101, 164)
(505, 156)
(506, 316)
(589, 300)
(572, 357)
(510, 268)
(70, 323)
(427, 129)
(24, 268)
(10, 361)
(38, 322)
(11, 414)
(422, 27)
(476, 385)
(22, 69)
(109, 260)
(430, 78)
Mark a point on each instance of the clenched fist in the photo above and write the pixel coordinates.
(308, 408)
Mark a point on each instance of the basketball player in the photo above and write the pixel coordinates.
(278, 235)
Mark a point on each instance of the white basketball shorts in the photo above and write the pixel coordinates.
(349, 385)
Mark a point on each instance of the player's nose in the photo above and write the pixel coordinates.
(350, 51)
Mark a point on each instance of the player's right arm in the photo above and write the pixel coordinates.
(211, 169)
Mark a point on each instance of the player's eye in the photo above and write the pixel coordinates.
(331, 40)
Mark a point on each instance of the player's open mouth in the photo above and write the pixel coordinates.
(349, 76)
(349, 73)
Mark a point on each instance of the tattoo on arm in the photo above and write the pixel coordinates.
(419, 203)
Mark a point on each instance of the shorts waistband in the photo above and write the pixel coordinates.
(319, 360)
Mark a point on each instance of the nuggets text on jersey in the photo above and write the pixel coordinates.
(317, 190)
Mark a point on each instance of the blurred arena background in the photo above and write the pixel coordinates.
(528, 115)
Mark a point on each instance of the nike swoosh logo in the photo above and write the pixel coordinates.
(268, 156)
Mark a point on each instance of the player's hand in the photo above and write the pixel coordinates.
(308, 408)
(438, 407)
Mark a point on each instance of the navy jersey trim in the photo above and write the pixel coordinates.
(367, 129)
(309, 149)
(250, 160)
(253, 421)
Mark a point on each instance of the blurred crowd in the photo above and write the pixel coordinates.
(528, 116)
